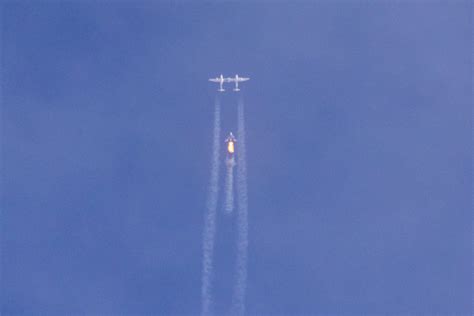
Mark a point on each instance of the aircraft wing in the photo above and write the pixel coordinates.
(214, 79)
(240, 79)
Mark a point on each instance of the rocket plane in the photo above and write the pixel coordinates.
(230, 140)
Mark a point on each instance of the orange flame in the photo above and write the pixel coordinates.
(230, 147)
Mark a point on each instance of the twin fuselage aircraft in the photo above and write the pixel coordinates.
(235, 79)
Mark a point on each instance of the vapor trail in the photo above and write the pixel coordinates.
(210, 217)
(238, 299)
(229, 186)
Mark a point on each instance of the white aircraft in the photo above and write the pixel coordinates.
(237, 79)
(220, 80)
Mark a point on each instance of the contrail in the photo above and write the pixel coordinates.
(210, 217)
(238, 299)
(229, 186)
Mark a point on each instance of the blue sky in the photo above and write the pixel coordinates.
(358, 146)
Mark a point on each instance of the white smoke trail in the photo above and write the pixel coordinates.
(229, 186)
(238, 299)
(210, 217)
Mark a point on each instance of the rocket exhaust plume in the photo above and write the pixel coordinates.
(238, 299)
(229, 185)
(210, 217)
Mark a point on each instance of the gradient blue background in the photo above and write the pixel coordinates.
(359, 155)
